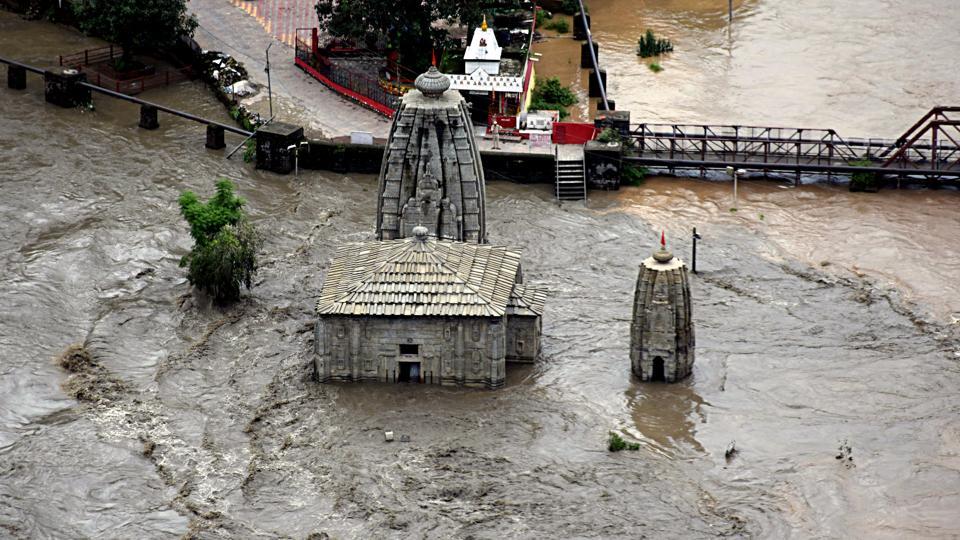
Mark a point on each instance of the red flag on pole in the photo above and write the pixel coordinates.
(663, 239)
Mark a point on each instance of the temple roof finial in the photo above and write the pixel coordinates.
(662, 255)
(484, 24)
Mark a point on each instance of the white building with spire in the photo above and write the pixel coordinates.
(484, 52)
(495, 83)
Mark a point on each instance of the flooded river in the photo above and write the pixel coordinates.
(823, 321)
(862, 67)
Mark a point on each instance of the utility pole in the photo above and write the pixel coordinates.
(693, 259)
(731, 10)
(269, 86)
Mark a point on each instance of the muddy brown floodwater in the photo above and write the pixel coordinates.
(205, 420)
(865, 68)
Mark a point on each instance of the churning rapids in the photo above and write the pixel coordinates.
(823, 320)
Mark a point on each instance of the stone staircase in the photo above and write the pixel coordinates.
(571, 181)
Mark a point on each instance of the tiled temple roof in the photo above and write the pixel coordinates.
(527, 300)
(420, 277)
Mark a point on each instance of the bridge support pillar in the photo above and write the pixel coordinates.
(579, 30)
(61, 86)
(215, 137)
(595, 79)
(585, 60)
(618, 120)
(16, 77)
(272, 143)
(148, 117)
(603, 164)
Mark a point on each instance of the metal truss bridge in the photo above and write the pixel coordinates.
(929, 150)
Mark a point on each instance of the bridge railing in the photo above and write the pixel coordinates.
(743, 143)
(940, 151)
(937, 141)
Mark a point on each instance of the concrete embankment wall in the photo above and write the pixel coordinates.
(365, 159)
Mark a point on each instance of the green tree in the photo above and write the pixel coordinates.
(223, 258)
(405, 26)
(135, 25)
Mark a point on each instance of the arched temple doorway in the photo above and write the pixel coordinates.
(658, 374)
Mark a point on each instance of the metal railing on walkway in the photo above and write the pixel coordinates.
(88, 61)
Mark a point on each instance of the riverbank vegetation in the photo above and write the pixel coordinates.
(633, 175)
(542, 17)
(560, 26)
(550, 95)
(138, 26)
(650, 45)
(223, 258)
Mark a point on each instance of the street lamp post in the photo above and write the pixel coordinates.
(295, 148)
(732, 173)
(269, 86)
(735, 174)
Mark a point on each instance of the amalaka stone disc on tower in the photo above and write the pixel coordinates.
(661, 335)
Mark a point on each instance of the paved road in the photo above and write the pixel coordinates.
(297, 98)
(281, 18)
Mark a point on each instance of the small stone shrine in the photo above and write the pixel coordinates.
(422, 310)
(661, 335)
(431, 174)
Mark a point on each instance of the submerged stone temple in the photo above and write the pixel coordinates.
(431, 174)
(661, 335)
(428, 301)
(422, 310)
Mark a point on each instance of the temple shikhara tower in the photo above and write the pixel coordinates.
(661, 335)
(431, 174)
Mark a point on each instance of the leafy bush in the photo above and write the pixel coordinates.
(249, 151)
(616, 444)
(650, 45)
(550, 95)
(655, 67)
(542, 17)
(561, 26)
(223, 257)
(633, 175)
(609, 135)
(864, 181)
